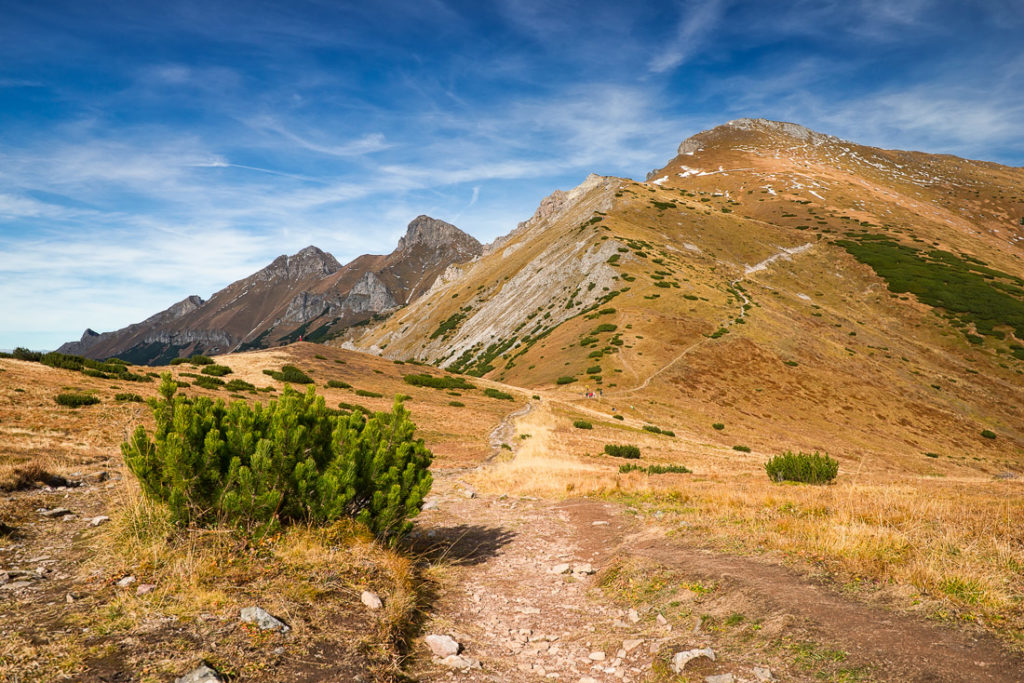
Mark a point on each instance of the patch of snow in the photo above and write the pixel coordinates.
(804, 297)
(659, 181)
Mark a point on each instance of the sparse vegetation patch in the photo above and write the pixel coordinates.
(808, 468)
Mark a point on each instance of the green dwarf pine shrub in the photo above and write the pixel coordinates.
(622, 451)
(259, 467)
(74, 400)
(810, 468)
(216, 370)
(582, 424)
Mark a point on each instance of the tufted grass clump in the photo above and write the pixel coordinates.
(128, 398)
(808, 468)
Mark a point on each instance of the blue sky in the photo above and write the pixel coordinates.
(152, 150)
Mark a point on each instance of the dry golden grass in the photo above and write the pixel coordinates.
(954, 546)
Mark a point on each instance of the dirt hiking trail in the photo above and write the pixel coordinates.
(583, 591)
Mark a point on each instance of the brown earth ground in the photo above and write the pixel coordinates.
(677, 565)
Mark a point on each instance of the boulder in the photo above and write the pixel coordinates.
(201, 674)
(263, 620)
(681, 659)
(442, 646)
(371, 600)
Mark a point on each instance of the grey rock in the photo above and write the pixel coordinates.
(145, 589)
(55, 512)
(763, 674)
(585, 569)
(96, 521)
(15, 585)
(371, 600)
(263, 620)
(126, 581)
(442, 646)
(563, 568)
(461, 662)
(201, 674)
(631, 644)
(597, 656)
(680, 659)
(720, 678)
(431, 504)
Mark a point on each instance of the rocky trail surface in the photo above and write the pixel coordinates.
(536, 590)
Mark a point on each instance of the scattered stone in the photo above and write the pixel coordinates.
(442, 646)
(680, 659)
(631, 644)
(202, 674)
(469, 493)
(720, 678)
(4, 578)
(584, 569)
(98, 477)
(371, 600)
(69, 598)
(96, 521)
(126, 581)
(662, 621)
(600, 522)
(588, 679)
(145, 589)
(563, 568)
(632, 615)
(431, 504)
(597, 656)
(461, 662)
(763, 674)
(263, 620)
(54, 513)
(15, 585)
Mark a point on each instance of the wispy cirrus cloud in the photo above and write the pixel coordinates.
(693, 30)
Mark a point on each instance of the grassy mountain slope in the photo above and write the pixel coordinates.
(809, 292)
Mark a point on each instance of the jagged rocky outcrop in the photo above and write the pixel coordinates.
(307, 295)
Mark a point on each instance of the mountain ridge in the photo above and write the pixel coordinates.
(306, 294)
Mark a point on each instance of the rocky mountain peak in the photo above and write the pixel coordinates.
(436, 235)
(305, 263)
(748, 127)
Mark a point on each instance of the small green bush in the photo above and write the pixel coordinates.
(718, 426)
(594, 370)
(290, 375)
(456, 404)
(216, 370)
(741, 449)
(443, 382)
(565, 380)
(200, 360)
(618, 417)
(75, 400)
(654, 469)
(582, 424)
(809, 468)
(205, 382)
(368, 394)
(21, 353)
(988, 434)
(338, 384)
(622, 451)
(494, 393)
(652, 429)
(292, 461)
(128, 398)
(240, 385)
(604, 327)
(931, 455)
